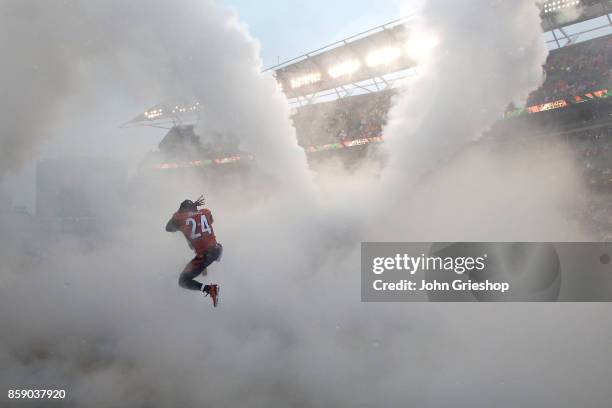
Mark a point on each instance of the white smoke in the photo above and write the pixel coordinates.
(480, 61)
(83, 55)
(110, 324)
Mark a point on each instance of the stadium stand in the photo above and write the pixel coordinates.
(575, 70)
(574, 74)
(351, 118)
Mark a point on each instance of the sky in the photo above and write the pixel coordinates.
(307, 26)
(288, 28)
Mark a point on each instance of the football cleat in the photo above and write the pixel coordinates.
(213, 292)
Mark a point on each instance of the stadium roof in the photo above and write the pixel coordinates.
(369, 54)
(554, 13)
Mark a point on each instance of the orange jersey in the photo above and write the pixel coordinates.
(197, 228)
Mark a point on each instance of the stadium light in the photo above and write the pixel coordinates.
(344, 68)
(184, 109)
(419, 45)
(305, 80)
(384, 56)
(557, 5)
(154, 113)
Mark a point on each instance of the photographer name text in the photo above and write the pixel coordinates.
(413, 264)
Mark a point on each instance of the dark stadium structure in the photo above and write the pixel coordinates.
(181, 147)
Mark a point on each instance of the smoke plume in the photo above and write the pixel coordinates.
(107, 321)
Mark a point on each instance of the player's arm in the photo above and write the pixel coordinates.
(172, 225)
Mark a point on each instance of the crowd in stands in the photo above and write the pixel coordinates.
(575, 70)
(597, 216)
(349, 118)
(594, 147)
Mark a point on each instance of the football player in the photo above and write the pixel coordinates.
(196, 226)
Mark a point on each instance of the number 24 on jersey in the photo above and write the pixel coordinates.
(204, 227)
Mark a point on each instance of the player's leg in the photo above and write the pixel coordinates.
(191, 271)
(210, 256)
(213, 255)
